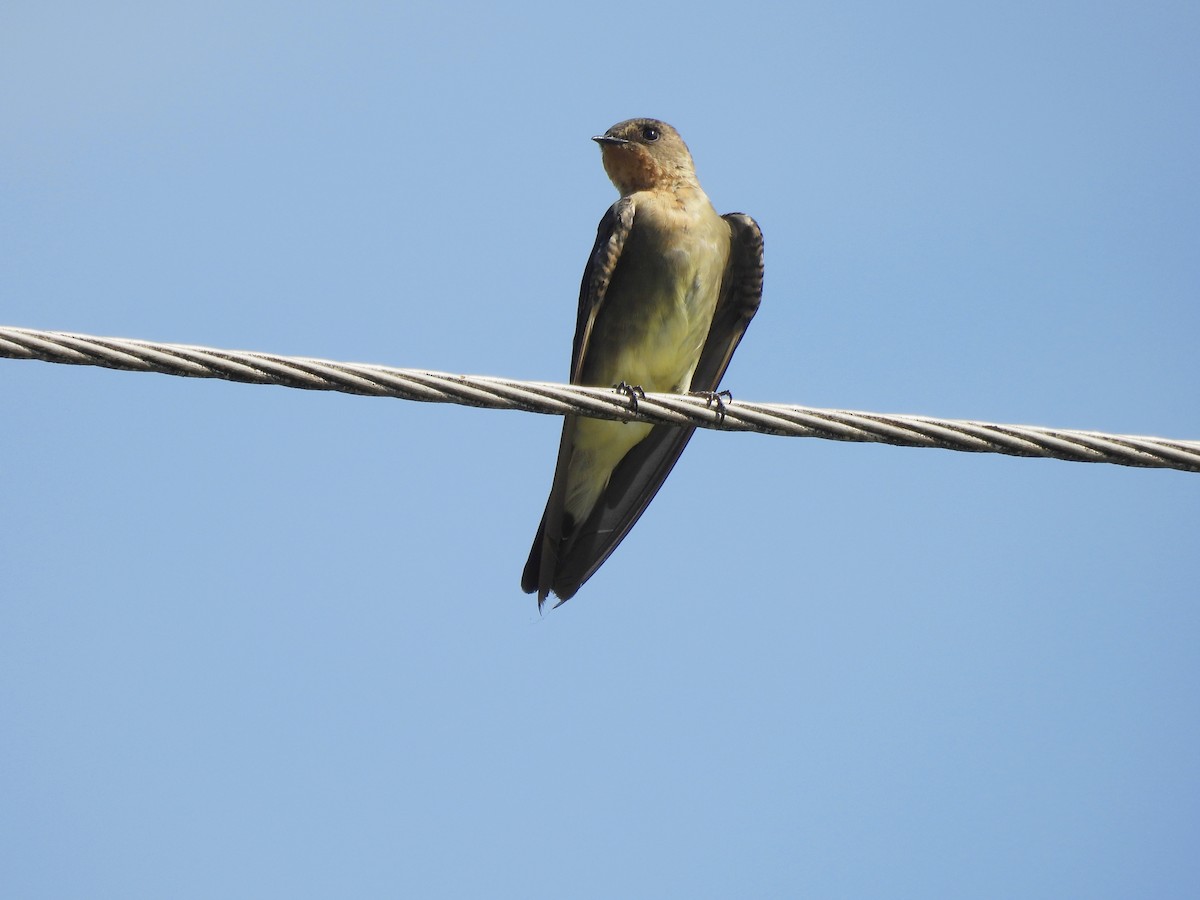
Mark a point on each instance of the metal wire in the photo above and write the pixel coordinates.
(562, 399)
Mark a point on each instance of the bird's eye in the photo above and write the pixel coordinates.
(649, 133)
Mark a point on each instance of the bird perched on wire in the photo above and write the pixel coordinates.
(667, 293)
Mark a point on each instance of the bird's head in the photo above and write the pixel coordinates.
(640, 154)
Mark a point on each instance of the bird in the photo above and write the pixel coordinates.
(667, 293)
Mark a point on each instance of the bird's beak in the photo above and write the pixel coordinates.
(608, 140)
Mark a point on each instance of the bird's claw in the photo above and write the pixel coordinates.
(633, 392)
(717, 398)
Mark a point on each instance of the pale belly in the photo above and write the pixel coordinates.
(650, 335)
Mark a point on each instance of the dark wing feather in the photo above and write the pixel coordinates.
(642, 472)
(740, 295)
(611, 235)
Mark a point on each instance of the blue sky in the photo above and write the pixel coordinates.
(258, 642)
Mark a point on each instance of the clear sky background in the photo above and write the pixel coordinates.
(258, 642)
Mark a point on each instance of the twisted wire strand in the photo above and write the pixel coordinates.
(562, 399)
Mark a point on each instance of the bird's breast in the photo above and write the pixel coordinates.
(656, 315)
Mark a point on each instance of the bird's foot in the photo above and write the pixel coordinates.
(717, 398)
(632, 391)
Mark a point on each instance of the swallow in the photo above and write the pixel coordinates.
(667, 294)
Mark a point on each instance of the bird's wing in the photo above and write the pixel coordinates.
(741, 292)
(638, 476)
(611, 235)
